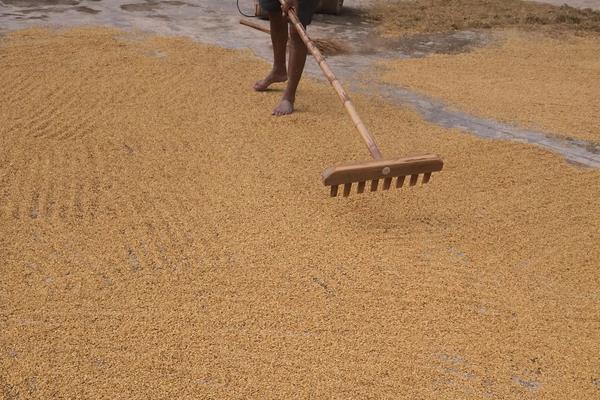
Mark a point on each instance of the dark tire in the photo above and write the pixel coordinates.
(324, 7)
(330, 6)
(259, 12)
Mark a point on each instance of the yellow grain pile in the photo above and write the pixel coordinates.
(534, 81)
(162, 236)
(402, 17)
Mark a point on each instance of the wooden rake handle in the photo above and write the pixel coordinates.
(358, 123)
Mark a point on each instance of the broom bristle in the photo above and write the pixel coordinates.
(331, 47)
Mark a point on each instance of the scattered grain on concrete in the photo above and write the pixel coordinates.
(401, 17)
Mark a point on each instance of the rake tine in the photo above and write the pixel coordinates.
(426, 177)
(334, 190)
(413, 179)
(374, 184)
(361, 187)
(347, 188)
(400, 182)
(387, 183)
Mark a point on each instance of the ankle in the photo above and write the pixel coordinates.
(289, 98)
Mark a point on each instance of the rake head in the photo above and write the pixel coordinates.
(386, 170)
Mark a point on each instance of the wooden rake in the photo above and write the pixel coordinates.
(379, 168)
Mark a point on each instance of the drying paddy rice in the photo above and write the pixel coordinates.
(532, 80)
(402, 17)
(162, 236)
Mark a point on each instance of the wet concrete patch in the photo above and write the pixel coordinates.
(35, 17)
(593, 148)
(421, 45)
(178, 3)
(154, 5)
(160, 16)
(46, 10)
(82, 9)
(41, 3)
(137, 7)
(86, 10)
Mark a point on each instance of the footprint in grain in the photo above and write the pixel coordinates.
(531, 385)
(133, 260)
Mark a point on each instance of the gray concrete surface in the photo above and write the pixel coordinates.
(593, 4)
(217, 22)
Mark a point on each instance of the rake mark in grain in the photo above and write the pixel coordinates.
(157, 248)
(94, 190)
(84, 124)
(20, 177)
(144, 234)
(40, 124)
(22, 87)
(175, 85)
(178, 235)
(47, 201)
(78, 186)
(35, 181)
(64, 162)
(183, 211)
(61, 114)
(6, 171)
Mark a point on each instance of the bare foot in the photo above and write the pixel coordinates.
(273, 77)
(285, 107)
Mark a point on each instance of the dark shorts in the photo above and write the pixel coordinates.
(305, 13)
